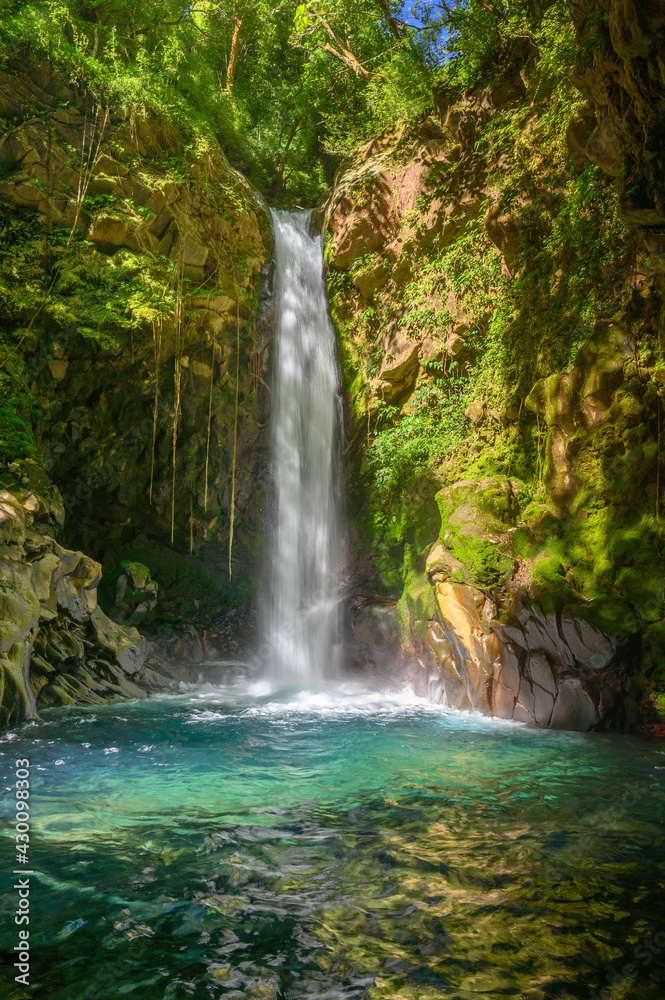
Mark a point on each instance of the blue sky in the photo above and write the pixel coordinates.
(404, 14)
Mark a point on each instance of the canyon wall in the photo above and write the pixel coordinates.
(498, 299)
(134, 352)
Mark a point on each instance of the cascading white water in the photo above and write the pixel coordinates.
(301, 621)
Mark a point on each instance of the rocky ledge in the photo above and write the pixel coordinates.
(57, 646)
(547, 667)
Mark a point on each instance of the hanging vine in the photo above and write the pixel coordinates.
(94, 146)
(191, 522)
(88, 165)
(176, 393)
(157, 350)
(212, 378)
(658, 476)
(235, 436)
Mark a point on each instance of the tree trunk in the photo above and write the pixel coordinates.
(233, 57)
(348, 58)
(343, 53)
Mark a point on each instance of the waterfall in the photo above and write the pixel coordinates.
(301, 622)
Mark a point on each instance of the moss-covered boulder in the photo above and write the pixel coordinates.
(56, 644)
(19, 617)
(476, 518)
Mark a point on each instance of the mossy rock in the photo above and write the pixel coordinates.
(488, 505)
(552, 398)
(616, 618)
(642, 586)
(417, 605)
(653, 645)
(14, 697)
(190, 585)
(130, 593)
(539, 527)
(19, 605)
(12, 520)
(485, 566)
(500, 499)
(32, 480)
(475, 515)
(551, 590)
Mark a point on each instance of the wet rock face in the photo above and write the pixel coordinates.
(483, 638)
(527, 598)
(574, 404)
(373, 222)
(547, 669)
(372, 639)
(561, 671)
(473, 632)
(556, 671)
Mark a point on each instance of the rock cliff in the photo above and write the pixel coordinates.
(496, 280)
(56, 644)
(501, 335)
(134, 351)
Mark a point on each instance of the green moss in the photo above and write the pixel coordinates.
(417, 605)
(474, 516)
(653, 642)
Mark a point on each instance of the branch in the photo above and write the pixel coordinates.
(349, 60)
(390, 20)
(342, 53)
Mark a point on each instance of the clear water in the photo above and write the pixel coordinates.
(300, 603)
(240, 842)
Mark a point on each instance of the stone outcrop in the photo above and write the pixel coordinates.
(552, 667)
(546, 668)
(620, 67)
(135, 595)
(56, 644)
(475, 637)
(135, 286)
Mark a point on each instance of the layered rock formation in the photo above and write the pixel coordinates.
(132, 283)
(620, 68)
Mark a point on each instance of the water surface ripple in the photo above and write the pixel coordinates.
(242, 842)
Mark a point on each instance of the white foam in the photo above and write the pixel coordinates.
(347, 699)
(262, 699)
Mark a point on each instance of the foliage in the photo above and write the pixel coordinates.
(404, 453)
(287, 89)
(53, 289)
(16, 410)
(465, 38)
